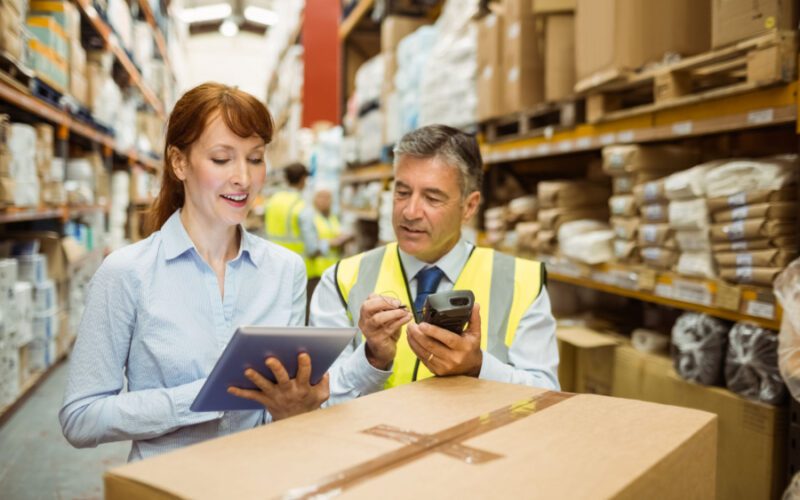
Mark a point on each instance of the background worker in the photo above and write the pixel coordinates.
(331, 238)
(289, 221)
(511, 333)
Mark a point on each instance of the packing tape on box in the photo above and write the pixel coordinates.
(448, 441)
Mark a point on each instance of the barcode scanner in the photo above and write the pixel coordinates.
(449, 310)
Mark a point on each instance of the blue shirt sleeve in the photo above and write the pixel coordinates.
(95, 408)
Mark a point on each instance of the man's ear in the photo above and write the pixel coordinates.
(178, 162)
(471, 205)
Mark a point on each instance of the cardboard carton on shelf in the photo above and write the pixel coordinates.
(570, 194)
(656, 161)
(788, 242)
(596, 446)
(559, 56)
(736, 20)
(775, 210)
(721, 203)
(617, 36)
(523, 57)
(554, 6)
(490, 71)
(752, 440)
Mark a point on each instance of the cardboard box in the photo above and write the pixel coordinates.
(51, 34)
(625, 228)
(559, 57)
(79, 87)
(660, 235)
(490, 72)
(776, 210)
(63, 12)
(554, 6)
(568, 194)
(659, 258)
(657, 161)
(752, 229)
(655, 212)
(596, 446)
(757, 258)
(621, 35)
(395, 28)
(523, 57)
(782, 242)
(623, 205)
(735, 20)
(650, 192)
(586, 360)
(788, 193)
(750, 275)
(552, 218)
(752, 437)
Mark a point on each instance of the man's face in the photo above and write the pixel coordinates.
(428, 207)
(322, 201)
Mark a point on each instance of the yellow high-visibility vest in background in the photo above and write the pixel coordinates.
(282, 222)
(328, 228)
(504, 286)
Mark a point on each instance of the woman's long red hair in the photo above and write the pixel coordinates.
(245, 115)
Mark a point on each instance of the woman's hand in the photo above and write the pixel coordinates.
(289, 396)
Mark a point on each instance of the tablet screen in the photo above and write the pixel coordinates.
(250, 346)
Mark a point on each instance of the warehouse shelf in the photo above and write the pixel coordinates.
(14, 96)
(273, 80)
(366, 214)
(375, 172)
(113, 44)
(161, 42)
(715, 298)
(27, 389)
(46, 111)
(761, 108)
(355, 16)
(64, 213)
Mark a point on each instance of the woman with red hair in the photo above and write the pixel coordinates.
(160, 312)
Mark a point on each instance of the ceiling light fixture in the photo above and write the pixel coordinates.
(260, 15)
(229, 27)
(205, 13)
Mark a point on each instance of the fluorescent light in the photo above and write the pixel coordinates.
(205, 13)
(229, 28)
(260, 15)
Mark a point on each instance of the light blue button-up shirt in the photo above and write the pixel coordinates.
(154, 315)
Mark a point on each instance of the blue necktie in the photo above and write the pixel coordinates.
(427, 282)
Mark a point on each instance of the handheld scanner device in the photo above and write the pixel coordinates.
(449, 310)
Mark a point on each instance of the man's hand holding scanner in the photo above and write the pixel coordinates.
(287, 396)
(380, 322)
(445, 352)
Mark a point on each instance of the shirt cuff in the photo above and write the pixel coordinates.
(494, 369)
(183, 397)
(361, 375)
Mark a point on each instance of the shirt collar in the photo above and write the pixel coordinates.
(451, 263)
(177, 241)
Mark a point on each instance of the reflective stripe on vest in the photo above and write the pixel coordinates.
(281, 220)
(487, 273)
(328, 228)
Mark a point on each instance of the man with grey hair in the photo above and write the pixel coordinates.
(510, 336)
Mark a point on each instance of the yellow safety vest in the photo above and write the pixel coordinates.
(504, 286)
(328, 228)
(281, 222)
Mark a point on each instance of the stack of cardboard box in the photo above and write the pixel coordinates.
(393, 29)
(614, 37)
(559, 47)
(11, 16)
(639, 201)
(736, 20)
(566, 201)
(49, 50)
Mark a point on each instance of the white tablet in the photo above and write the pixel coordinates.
(250, 346)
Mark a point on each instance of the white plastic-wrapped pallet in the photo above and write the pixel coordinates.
(22, 147)
(449, 90)
(412, 55)
(369, 126)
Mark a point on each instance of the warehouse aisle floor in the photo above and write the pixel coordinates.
(36, 461)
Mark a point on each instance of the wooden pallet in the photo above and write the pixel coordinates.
(758, 62)
(14, 73)
(548, 117)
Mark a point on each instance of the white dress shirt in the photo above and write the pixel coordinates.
(533, 355)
